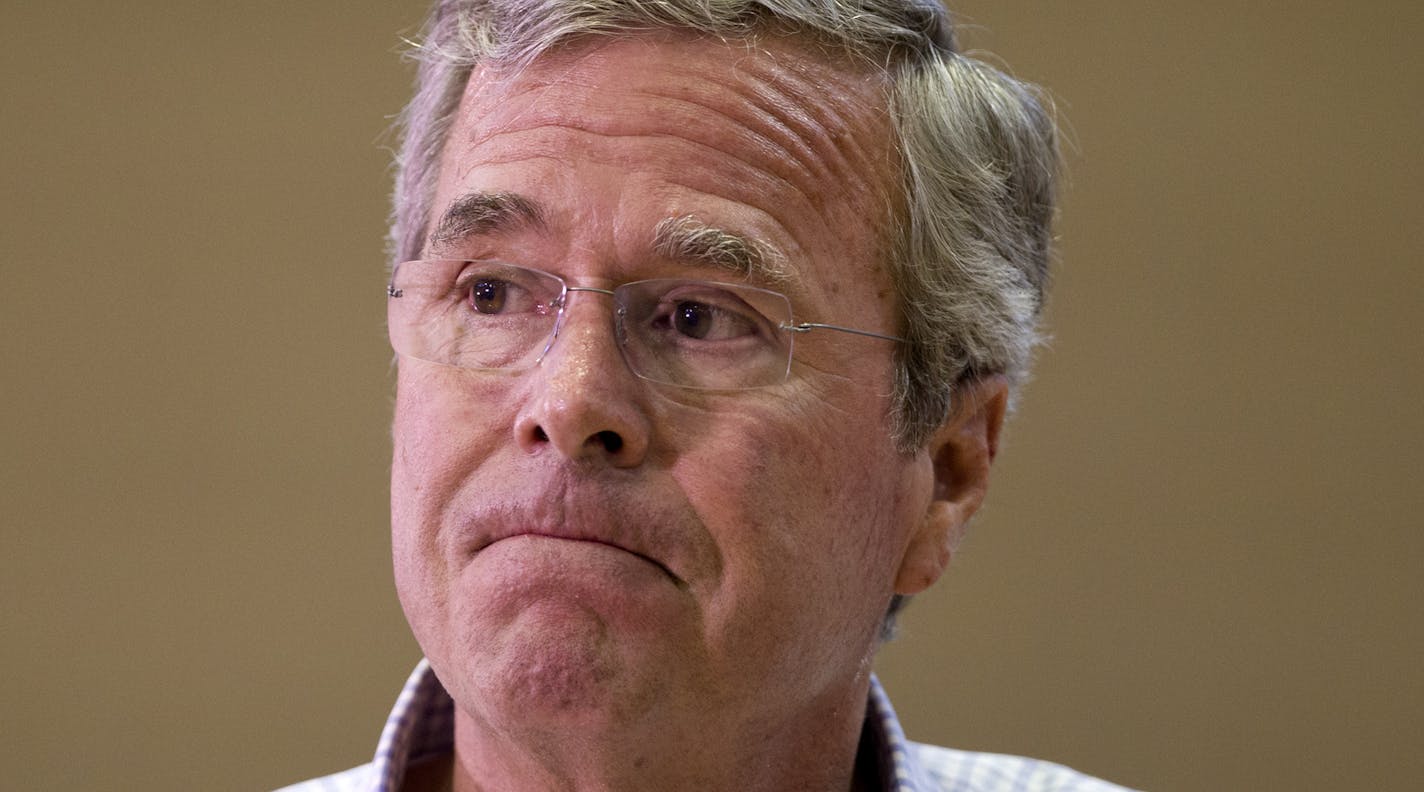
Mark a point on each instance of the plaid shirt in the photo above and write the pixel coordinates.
(422, 723)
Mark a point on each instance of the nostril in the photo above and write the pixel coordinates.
(611, 441)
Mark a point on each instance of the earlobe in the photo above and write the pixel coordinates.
(961, 453)
(930, 550)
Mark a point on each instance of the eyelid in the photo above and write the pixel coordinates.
(478, 268)
(725, 301)
(462, 280)
(711, 289)
(711, 295)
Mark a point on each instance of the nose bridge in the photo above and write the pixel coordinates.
(572, 336)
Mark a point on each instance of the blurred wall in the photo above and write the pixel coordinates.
(1199, 565)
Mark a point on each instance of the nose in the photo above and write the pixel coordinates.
(584, 403)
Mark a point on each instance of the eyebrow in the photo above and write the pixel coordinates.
(692, 241)
(479, 213)
(685, 239)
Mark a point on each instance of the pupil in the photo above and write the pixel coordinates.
(488, 296)
(691, 319)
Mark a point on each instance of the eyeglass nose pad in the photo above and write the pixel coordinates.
(620, 334)
(620, 316)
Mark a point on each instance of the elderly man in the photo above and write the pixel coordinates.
(707, 317)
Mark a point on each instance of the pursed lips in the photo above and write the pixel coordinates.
(565, 534)
(661, 530)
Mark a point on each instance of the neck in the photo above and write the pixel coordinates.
(814, 749)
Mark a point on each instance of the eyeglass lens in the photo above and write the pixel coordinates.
(494, 316)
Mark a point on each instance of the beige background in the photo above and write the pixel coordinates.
(1199, 566)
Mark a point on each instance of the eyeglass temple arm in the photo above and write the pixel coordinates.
(806, 327)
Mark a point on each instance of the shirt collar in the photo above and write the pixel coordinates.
(422, 723)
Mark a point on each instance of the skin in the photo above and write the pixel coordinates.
(696, 605)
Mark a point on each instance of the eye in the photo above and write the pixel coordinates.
(708, 322)
(488, 295)
(506, 291)
(692, 319)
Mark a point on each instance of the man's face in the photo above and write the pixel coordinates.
(573, 542)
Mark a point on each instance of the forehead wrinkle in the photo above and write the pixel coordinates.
(760, 160)
(514, 148)
(786, 157)
(774, 263)
(807, 114)
(680, 118)
(813, 123)
(838, 114)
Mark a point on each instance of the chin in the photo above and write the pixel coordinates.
(553, 664)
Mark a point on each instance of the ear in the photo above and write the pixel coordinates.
(961, 453)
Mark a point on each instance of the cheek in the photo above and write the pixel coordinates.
(444, 428)
(802, 518)
(808, 534)
(447, 423)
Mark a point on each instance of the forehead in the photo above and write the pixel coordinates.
(788, 144)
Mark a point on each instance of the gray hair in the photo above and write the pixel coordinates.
(969, 251)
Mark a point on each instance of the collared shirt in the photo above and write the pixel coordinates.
(422, 724)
